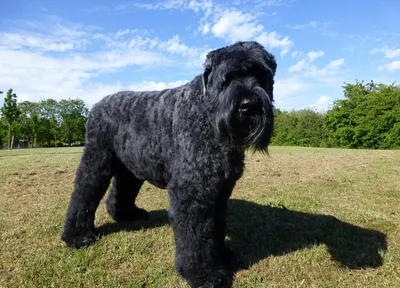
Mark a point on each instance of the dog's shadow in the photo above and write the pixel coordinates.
(157, 218)
(257, 231)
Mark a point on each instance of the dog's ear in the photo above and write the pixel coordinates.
(205, 79)
(212, 59)
(271, 62)
(207, 70)
(267, 58)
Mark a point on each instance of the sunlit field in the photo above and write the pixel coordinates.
(300, 217)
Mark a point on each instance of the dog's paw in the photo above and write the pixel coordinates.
(78, 241)
(230, 258)
(134, 214)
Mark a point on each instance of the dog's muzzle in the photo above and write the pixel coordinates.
(249, 107)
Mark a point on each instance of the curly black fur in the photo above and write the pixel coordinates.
(189, 140)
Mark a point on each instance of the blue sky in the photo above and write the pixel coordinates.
(89, 49)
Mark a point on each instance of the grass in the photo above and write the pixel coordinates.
(303, 217)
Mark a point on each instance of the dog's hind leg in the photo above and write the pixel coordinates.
(91, 182)
(121, 199)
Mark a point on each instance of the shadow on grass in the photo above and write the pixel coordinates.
(157, 218)
(258, 231)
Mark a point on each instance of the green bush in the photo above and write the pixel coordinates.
(367, 117)
(299, 128)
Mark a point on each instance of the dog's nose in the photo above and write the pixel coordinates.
(248, 107)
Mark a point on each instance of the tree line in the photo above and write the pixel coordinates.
(367, 117)
(48, 123)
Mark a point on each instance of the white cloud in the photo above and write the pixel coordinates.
(322, 104)
(378, 50)
(298, 67)
(95, 92)
(265, 3)
(311, 25)
(272, 40)
(35, 74)
(31, 67)
(392, 53)
(205, 29)
(121, 33)
(389, 53)
(34, 77)
(235, 25)
(52, 35)
(308, 69)
(288, 88)
(156, 86)
(332, 67)
(314, 55)
(121, 58)
(305, 64)
(122, 49)
(169, 4)
(199, 61)
(392, 66)
(175, 46)
(296, 54)
(307, 78)
(200, 5)
(171, 47)
(18, 41)
(194, 5)
(229, 24)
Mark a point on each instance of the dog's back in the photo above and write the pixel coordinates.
(137, 126)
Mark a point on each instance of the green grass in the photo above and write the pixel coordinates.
(303, 217)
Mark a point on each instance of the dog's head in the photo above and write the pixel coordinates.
(238, 86)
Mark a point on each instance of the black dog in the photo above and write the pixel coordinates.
(189, 140)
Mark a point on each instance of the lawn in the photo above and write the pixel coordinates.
(301, 217)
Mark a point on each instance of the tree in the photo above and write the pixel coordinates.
(73, 116)
(299, 128)
(30, 125)
(50, 110)
(367, 117)
(24, 127)
(50, 123)
(1, 130)
(10, 113)
(3, 133)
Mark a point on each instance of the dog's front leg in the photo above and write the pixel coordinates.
(194, 215)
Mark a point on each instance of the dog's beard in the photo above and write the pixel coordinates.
(245, 131)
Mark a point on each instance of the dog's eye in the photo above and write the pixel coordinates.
(264, 79)
(233, 75)
(228, 78)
